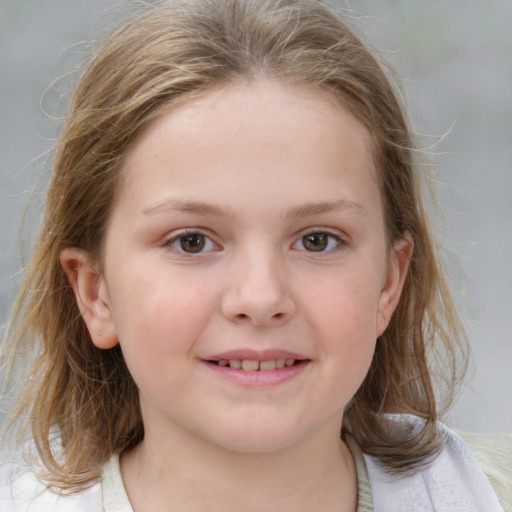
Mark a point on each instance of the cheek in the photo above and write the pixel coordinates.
(343, 316)
(345, 302)
(159, 318)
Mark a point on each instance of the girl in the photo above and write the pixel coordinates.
(235, 301)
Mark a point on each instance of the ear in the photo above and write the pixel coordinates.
(397, 267)
(91, 296)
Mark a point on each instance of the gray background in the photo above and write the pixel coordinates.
(455, 58)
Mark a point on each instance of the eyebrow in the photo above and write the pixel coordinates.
(317, 208)
(184, 205)
(202, 208)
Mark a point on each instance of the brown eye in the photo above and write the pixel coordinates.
(316, 242)
(319, 241)
(192, 243)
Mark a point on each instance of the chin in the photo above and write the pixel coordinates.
(264, 438)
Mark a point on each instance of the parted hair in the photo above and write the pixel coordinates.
(163, 55)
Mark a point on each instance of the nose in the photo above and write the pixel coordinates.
(258, 293)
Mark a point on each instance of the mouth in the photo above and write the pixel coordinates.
(253, 365)
(251, 368)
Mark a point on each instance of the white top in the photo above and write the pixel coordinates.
(453, 482)
(21, 491)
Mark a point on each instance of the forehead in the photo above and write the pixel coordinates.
(261, 93)
(279, 107)
(272, 133)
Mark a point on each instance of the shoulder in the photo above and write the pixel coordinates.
(494, 455)
(453, 481)
(22, 491)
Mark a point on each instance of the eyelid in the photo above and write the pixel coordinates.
(341, 238)
(180, 233)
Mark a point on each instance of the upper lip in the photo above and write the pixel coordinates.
(256, 355)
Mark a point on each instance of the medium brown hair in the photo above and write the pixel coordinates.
(160, 57)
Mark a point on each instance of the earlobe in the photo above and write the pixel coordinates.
(91, 296)
(398, 265)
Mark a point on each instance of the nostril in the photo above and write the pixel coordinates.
(245, 317)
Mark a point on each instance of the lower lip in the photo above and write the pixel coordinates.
(259, 378)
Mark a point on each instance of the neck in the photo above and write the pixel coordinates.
(317, 474)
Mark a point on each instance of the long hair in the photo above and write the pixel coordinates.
(160, 57)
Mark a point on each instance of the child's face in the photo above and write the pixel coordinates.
(248, 227)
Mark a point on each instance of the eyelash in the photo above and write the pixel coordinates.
(339, 241)
(175, 243)
(206, 244)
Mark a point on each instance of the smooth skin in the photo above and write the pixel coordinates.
(248, 219)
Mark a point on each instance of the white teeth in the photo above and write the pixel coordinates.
(253, 365)
(265, 366)
(250, 365)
